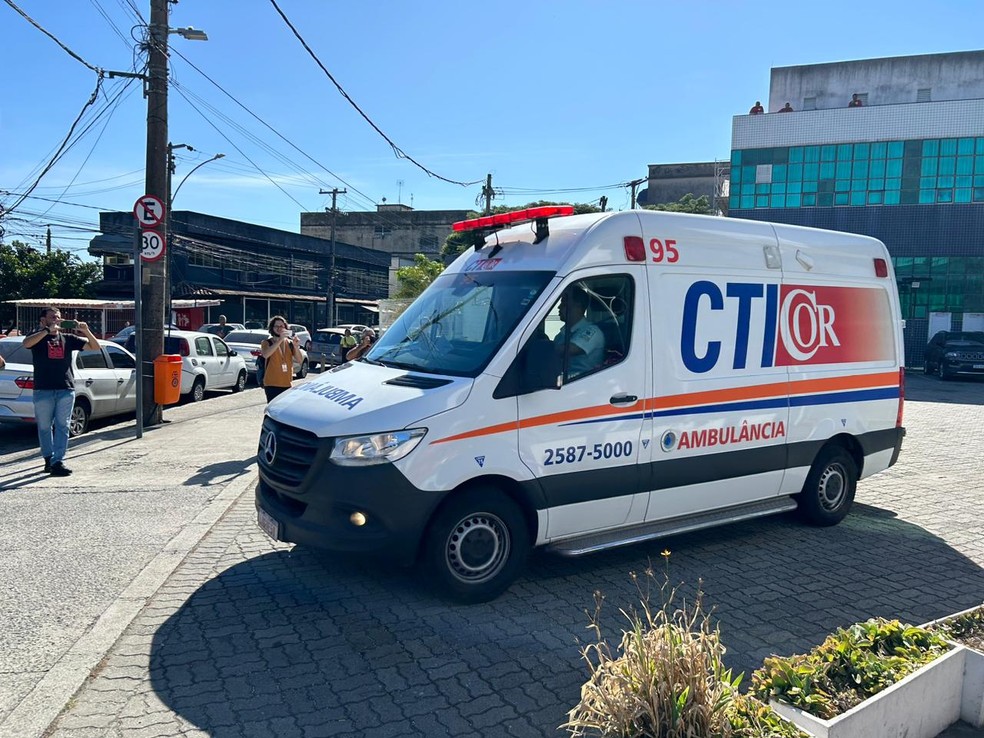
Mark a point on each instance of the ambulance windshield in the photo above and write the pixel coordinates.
(459, 322)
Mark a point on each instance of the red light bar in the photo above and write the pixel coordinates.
(516, 216)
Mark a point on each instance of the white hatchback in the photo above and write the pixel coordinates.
(207, 362)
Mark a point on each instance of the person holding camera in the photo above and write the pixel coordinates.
(279, 351)
(365, 343)
(54, 383)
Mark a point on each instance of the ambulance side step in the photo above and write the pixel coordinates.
(663, 528)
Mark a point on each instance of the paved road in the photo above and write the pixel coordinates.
(249, 637)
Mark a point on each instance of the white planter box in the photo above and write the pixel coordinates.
(920, 706)
(972, 700)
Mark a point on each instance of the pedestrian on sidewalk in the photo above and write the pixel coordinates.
(54, 383)
(279, 351)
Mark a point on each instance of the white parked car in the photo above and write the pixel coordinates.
(247, 344)
(302, 333)
(105, 384)
(207, 362)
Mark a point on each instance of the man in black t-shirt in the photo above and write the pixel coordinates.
(54, 384)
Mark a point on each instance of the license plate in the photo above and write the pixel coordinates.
(267, 524)
(978, 366)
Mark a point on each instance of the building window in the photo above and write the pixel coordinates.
(924, 94)
(809, 103)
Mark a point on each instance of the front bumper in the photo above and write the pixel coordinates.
(312, 499)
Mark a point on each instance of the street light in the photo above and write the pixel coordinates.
(190, 33)
(170, 203)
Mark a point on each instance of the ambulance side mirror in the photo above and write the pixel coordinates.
(537, 367)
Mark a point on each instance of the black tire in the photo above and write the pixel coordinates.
(198, 390)
(927, 367)
(303, 370)
(828, 492)
(78, 421)
(477, 545)
(240, 384)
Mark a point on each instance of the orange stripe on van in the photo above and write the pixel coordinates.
(695, 399)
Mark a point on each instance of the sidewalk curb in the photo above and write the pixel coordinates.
(32, 717)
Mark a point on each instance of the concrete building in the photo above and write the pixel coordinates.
(397, 230)
(669, 182)
(256, 272)
(906, 167)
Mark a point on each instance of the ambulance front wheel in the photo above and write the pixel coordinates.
(477, 545)
(829, 489)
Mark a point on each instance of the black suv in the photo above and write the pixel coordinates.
(951, 353)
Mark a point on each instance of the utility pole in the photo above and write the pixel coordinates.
(47, 241)
(487, 194)
(603, 202)
(330, 302)
(633, 184)
(155, 272)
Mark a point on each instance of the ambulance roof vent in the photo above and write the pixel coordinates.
(501, 220)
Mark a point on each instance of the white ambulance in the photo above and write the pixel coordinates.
(587, 381)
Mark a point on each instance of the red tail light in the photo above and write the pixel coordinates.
(184, 349)
(256, 352)
(25, 382)
(898, 418)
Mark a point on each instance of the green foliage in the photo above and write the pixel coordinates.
(850, 666)
(26, 272)
(667, 677)
(414, 279)
(458, 243)
(967, 629)
(686, 204)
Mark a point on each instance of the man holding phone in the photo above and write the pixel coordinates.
(54, 383)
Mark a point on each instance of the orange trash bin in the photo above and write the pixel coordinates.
(167, 379)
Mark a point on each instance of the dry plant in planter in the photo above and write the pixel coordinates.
(966, 628)
(666, 678)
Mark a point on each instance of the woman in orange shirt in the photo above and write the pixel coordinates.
(279, 351)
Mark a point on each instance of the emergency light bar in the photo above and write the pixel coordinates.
(516, 216)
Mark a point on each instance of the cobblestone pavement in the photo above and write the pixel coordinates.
(252, 638)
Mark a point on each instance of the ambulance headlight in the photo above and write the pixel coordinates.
(379, 448)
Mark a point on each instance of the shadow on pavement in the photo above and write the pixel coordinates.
(219, 472)
(298, 643)
(964, 391)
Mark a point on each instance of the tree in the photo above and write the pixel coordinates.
(458, 243)
(26, 272)
(414, 279)
(686, 204)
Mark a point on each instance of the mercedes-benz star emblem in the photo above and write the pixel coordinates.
(269, 448)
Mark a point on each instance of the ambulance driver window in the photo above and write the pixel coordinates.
(590, 325)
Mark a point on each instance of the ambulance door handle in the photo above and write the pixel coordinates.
(622, 399)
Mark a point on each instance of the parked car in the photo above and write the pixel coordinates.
(247, 344)
(105, 384)
(125, 333)
(254, 325)
(326, 347)
(302, 333)
(213, 328)
(207, 362)
(356, 328)
(952, 353)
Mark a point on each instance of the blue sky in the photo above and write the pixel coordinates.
(544, 95)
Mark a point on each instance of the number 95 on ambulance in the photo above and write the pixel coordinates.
(578, 382)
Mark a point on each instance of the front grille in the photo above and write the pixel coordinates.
(295, 453)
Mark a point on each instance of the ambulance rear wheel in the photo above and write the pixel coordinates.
(477, 545)
(828, 492)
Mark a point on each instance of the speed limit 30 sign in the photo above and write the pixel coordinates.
(151, 245)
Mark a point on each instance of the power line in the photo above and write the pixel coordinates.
(396, 149)
(50, 35)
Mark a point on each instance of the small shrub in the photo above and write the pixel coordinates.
(850, 666)
(967, 629)
(667, 678)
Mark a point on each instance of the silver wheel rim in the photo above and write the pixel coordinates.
(832, 488)
(241, 383)
(77, 423)
(199, 391)
(477, 548)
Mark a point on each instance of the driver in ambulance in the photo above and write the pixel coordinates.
(584, 340)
